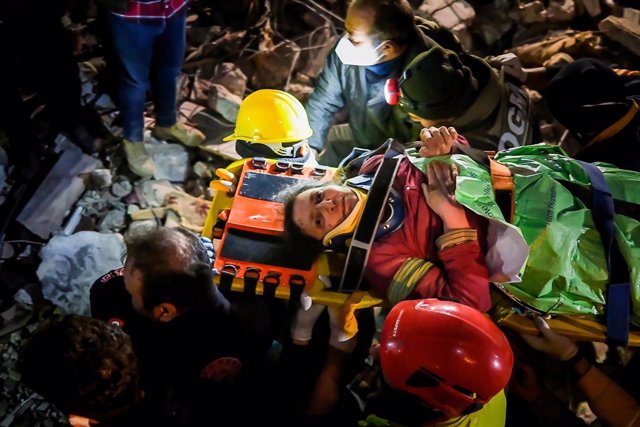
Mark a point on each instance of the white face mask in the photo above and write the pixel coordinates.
(362, 56)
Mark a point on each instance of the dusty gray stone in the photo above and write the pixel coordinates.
(631, 14)
(121, 188)
(231, 77)
(560, 11)
(101, 178)
(452, 14)
(624, 31)
(114, 220)
(171, 161)
(592, 7)
(70, 265)
(531, 12)
(223, 102)
(274, 65)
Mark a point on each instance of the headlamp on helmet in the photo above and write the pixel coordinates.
(394, 95)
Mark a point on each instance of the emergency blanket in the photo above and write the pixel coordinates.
(566, 270)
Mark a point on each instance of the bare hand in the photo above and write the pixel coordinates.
(439, 192)
(437, 141)
(556, 345)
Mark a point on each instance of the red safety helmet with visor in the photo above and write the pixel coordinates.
(451, 356)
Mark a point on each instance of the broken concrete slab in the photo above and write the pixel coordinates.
(101, 178)
(275, 65)
(231, 77)
(171, 161)
(53, 200)
(153, 193)
(622, 30)
(225, 150)
(223, 102)
(315, 46)
(114, 221)
(560, 11)
(203, 170)
(453, 14)
(492, 21)
(215, 128)
(191, 211)
(575, 44)
(228, 43)
(631, 14)
(70, 265)
(592, 7)
(530, 13)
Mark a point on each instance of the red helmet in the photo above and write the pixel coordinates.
(449, 355)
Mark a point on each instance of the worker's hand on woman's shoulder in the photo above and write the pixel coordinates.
(437, 141)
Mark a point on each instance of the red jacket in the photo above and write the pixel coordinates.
(458, 272)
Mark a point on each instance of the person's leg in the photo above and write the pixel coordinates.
(168, 56)
(133, 43)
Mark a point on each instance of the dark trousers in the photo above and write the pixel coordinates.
(151, 54)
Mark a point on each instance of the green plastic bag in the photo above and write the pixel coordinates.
(565, 271)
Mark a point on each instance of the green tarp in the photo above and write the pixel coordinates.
(565, 271)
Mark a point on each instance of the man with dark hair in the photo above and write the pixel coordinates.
(183, 329)
(158, 266)
(382, 38)
(85, 366)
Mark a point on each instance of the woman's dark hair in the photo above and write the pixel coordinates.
(175, 268)
(296, 240)
(84, 366)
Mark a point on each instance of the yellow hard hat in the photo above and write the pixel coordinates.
(270, 116)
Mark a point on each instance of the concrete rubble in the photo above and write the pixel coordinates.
(86, 203)
(70, 265)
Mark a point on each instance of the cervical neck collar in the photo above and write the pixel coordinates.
(337, 238)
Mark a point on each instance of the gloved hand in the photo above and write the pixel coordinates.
(302, 326)
(344, 326)
(208, 244)
(556, 345)
(306, 317)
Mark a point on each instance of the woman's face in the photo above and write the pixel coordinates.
(319, 210)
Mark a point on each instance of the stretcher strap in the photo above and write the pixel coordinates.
(296, 286)
(227, 274)
(270, 284)
(503, 189)
(360, 247)
(501, 179)
(251, 277)
(616, 127)
(618, 287)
